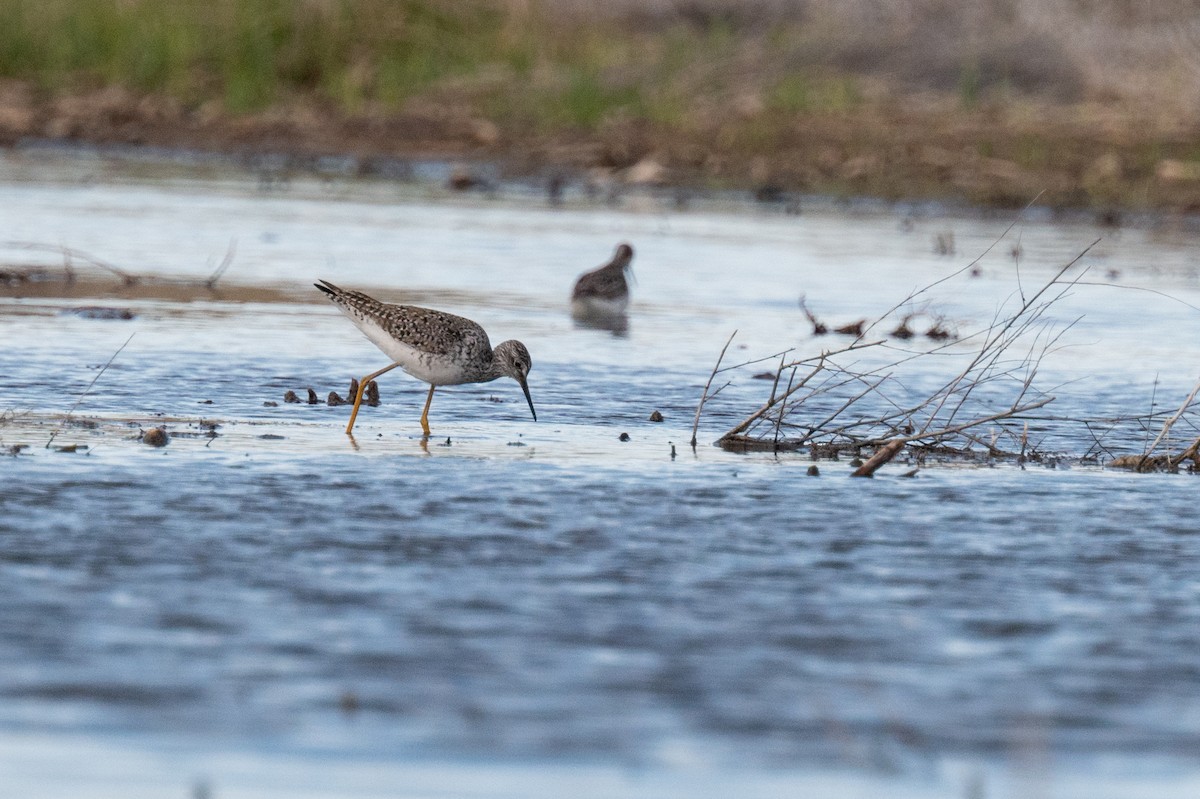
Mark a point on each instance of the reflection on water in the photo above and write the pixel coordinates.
(539, 595)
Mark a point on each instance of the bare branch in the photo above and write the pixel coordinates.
(704, 394)
(1167, 425)
(211, 283)
(99, 374)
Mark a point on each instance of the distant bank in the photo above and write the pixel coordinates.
(991, 103)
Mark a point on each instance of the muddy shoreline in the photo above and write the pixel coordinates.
(999, 156)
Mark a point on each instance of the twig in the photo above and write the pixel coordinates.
(882, 455)
(958, 272)
(1153, 396)
(1008, 414)
(999, 336)
(1166, 428)
(704, 394)
(211, 283)
(770, 357)
(1162, 294)
(782, 405)
(67, 252)
(765, 409)
(1192, 452)
(103, 369)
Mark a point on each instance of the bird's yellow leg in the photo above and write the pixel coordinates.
(362, 386)
(425, 413)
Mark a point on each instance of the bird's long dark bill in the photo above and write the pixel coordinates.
(529, 399)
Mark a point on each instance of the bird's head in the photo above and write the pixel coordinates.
(623, 255)
(512, 360)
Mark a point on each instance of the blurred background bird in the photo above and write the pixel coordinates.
(604, 292)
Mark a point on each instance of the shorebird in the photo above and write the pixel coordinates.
(604, 291)
(434, 346)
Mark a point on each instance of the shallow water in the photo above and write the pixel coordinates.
(520, 608)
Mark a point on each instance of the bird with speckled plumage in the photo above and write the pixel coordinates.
(434, 346)
(604, 292)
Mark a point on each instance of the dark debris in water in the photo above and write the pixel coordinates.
(100, 312)
(156, 437)
(751, 444)
(656, 416)
(333, 399)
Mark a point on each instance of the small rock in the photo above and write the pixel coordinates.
(656, 417)
(270, 404)
(485, 132)
(623, 437)
(156, 437)
(462, 179)
(647, 172)
(372, 393)
(312, 397)
(335, 399)
(813, 471)
(290, 396)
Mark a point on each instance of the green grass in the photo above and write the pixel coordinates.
(252, 53)
(802, 93)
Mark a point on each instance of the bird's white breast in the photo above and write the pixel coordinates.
(597, 306)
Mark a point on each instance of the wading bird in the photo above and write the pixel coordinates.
(604, 292)
(434, 346)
